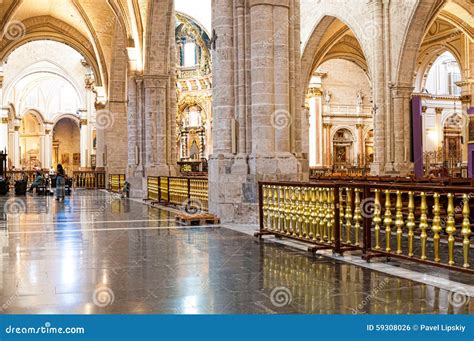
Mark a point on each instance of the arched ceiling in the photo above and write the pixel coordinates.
(86, 25)
(338, 41)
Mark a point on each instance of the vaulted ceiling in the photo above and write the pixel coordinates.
(87, 25)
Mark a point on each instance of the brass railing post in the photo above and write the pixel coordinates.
(436, 227)
(466, 230)
(337, 219)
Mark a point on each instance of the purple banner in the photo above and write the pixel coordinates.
(416, 109)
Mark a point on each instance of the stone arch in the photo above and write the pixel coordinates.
(71, 117)
(431, 55)
(63, 75)
(160, 32)
(338, 128)
(37, 114)
(422, 16)
(47, 27)
(453, 119)
(309, 56)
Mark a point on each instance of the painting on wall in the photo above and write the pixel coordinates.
(76, 159)
(65, 159)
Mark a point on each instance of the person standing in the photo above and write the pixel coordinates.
(60, 183)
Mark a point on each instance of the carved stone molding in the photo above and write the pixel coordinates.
(155, 81)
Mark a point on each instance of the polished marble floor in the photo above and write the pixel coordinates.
(96, 253)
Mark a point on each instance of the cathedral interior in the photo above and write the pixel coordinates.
(218, 150)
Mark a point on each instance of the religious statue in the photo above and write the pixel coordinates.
(360, 98)
(327, 96)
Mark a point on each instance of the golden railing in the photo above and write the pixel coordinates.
(18, 175)
(413, 222)
(153, 188)
(116, 182)
(89, 180)
(179, 191)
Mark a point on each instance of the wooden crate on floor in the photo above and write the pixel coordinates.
(198, 219)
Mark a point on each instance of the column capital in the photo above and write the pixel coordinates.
(327, 125)
(438, 111)
(360, 126)
(313, 92)
(402, 90)
(282, 3)
(156, 81)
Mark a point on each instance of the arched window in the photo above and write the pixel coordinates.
(189, 54)
(443, 76)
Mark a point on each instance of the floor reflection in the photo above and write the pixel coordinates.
(98, 254)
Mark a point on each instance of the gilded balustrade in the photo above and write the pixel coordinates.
(116, 181)
(425, 226)
(164, 189)
(89, 180)
(178, 191)
(153, 188)
(191, 193)
(399, 220)
(198, 193)
(303, 213)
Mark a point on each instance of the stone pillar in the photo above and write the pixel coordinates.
(402, 129)
(360, 145)
(327, 145)
(14, 143)
(155, 89)
(48, 146)
(3, 117)
(84, 134)
(439, 128)
(382, 119)
(316, 127)
(3, 129)
(252, 116)
(100, 143)
(467, 89)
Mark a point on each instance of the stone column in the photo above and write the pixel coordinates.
(254, 38)
(328, 147)
(48, 146)
(3, 129)
(360, 145)
(467, 89)
(156, 120)
(382, 119)
(3, 117)
(84, 133)
(14, 143)
(316, 127)
(100, 143)
(439, 127)
(402, 128)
